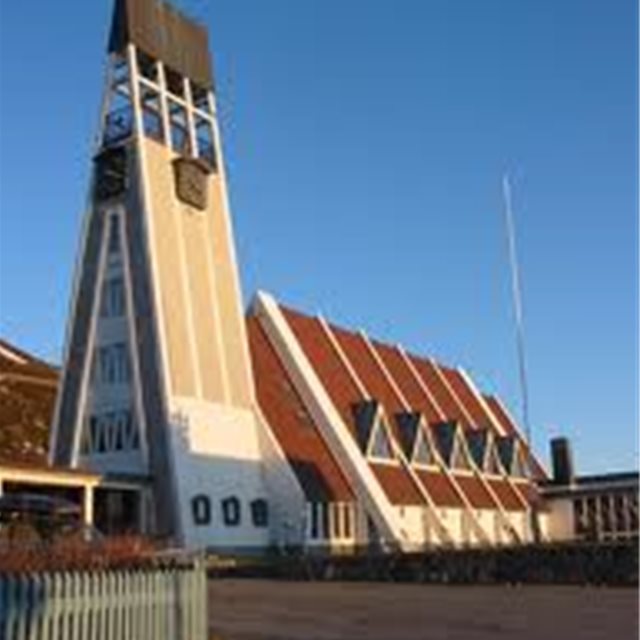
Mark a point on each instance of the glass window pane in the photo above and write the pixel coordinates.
(206, 147)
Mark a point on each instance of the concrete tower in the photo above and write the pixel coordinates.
(157, 380)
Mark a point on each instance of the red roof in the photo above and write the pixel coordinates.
(475, 491)
(439, 488)
(397, 484)
(325, 361)
(352, 369)
(509, 499)
(501, 416)
(413, 393)
(447, 401)
(528, 491)
(314, 465)
(466, 396)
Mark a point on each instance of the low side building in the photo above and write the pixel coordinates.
(593, 508)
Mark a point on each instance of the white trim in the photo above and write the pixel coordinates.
(519, 435)
(136, 379)
(11, 355)
(453, 394)
(147, 218)
(81, 406)
(421, 383)
(478, 396)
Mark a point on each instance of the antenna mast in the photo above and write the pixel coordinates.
(517, 304)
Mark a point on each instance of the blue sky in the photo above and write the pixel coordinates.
(365, 142)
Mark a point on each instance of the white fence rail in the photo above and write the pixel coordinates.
(150, 604)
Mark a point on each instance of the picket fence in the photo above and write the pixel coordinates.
(149, 604)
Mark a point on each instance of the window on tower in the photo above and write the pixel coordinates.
(206, 147)
(180, 141)
(113, 364)
(112, 304)
(109, 431)
(151, 113)
(147, 66)
(114, 235)
(118, 124)
(175, 82)
(200, 97)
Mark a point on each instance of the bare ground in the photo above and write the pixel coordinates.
(275, 610)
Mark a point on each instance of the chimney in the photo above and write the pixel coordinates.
(562, 461)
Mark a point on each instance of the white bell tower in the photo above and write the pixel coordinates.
(157, 378)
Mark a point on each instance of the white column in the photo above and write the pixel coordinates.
(87, 507)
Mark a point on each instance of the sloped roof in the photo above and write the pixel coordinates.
(355, 370)
(27, 396)
(344, 392)
(318, 474)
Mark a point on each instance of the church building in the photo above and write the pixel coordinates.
(235, 431)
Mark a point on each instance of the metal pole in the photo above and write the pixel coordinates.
(517, 304)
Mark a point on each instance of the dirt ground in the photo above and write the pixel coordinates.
(274, 610)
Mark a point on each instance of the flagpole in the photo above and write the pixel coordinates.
(517, 304)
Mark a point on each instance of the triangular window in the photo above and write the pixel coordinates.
(423, 454)
(477, 442)
(493, 465)
(381, 445)
(445, 437)
(519, 467)
(460, 459)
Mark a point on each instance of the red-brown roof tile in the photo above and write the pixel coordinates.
(439, 488)
(475, 492)
(449, 404)
(466, 396)
(326, 363)
(314, 465)
(367, 369)
(413, 393)
(528, 491)
(397, 484)
(507, 496)
(504, 420)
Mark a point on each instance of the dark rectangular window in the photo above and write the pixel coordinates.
(326, 530)
(151, 113)
(206, 146)
(147, 66)
(114, 234)
(174, 81)
(314, 521)
(632, 502)
(619, 509)
(113, 364)
(180, 141)
(605, 514)
(200, 97)
(113, 302)
(346, 527)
